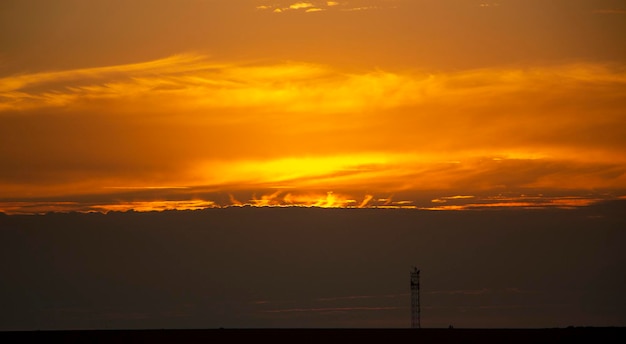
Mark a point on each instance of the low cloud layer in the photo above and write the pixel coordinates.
(189, 121)
(319, 6)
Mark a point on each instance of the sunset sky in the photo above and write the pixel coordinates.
(447, 104)
(507, 117)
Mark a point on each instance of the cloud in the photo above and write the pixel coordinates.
(331, 137)
(519, 201)
(446, 198)
(354, 9)
(170, 65)
(38, 207)
(301, 5)
(319, 6)
(366, 201)
(62, 88)
(306, 6)
(305, 87)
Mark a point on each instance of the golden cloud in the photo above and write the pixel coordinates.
(301, 5)
(189, 121)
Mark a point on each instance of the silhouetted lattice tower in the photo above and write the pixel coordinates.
(415, 298)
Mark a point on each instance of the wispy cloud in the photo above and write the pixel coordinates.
(355, 9)
(301, 5)
(170, 65)
(39, 207)
(326, 137)
(294, 86)
(446, 198)
(522, 201)
(319, 6)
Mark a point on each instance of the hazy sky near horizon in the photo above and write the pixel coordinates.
(116, 104)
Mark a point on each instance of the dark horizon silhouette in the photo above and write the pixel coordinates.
(448, 336)
(313, 268)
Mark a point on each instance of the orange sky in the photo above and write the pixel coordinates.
(111, 105)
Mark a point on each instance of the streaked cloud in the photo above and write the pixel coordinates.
(301, 5)
(39, 207)
(521, 201)
(286, 7)
(174, 64)
(446, 198)
(320, 136)
(354, 9)
(319, 6)
(298, 86)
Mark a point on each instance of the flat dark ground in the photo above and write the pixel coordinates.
(556, 335)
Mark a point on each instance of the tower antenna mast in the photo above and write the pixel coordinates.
(415, 298)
